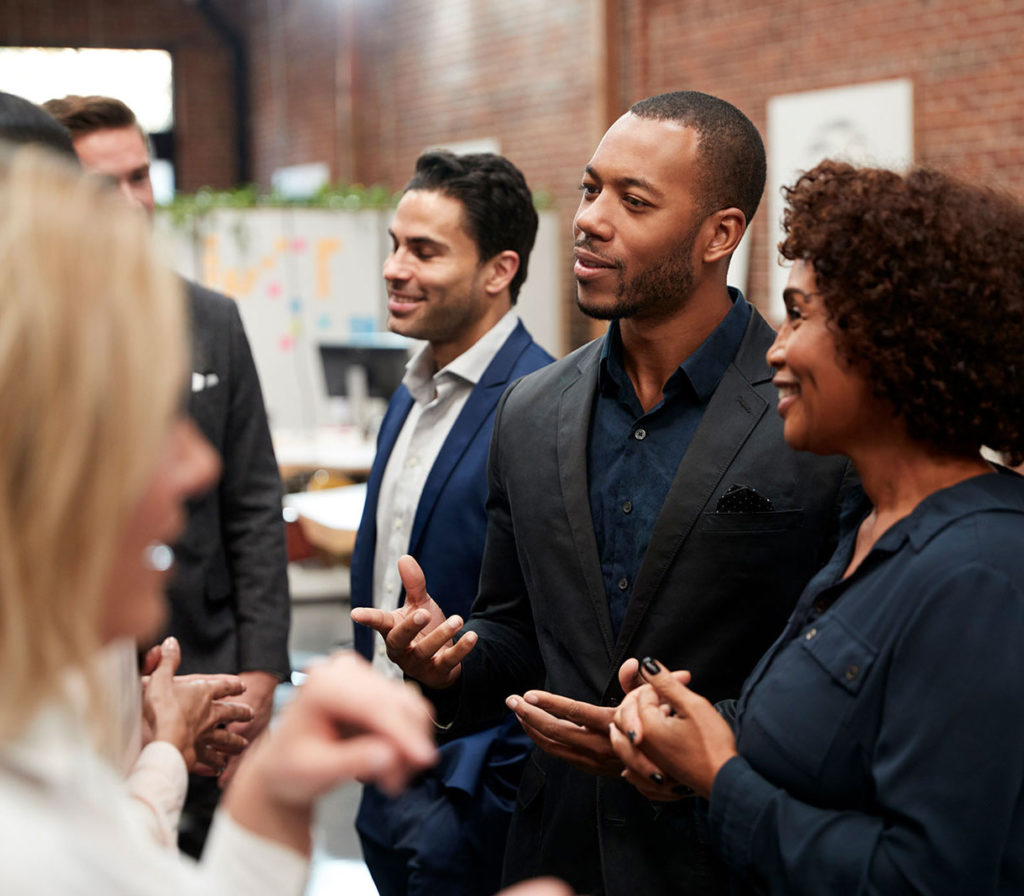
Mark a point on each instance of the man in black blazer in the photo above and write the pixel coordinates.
(230, 606)
(642, 503)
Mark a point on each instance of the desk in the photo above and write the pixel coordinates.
(338, 449)
(329, 517)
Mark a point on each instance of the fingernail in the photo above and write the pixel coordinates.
(681, 790)
(631, 734)
(651, 667)
(512, 703)
(657, 778)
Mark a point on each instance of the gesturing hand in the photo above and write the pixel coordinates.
(573, 730)
(569, 729)
(417, 635)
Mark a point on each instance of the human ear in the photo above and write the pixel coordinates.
(727, 228)
(500, 271)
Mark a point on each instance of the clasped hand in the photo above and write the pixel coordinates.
(190, 711)
(664, 729)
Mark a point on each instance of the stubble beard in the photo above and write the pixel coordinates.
(655, 290)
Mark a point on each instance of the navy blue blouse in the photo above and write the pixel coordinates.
(881, 738)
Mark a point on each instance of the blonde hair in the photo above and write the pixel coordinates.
(92, 366)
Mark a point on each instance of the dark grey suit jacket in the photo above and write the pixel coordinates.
(230, 606)
(712, 593)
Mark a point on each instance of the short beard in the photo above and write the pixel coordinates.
(657, 290)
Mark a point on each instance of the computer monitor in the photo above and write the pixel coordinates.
(384, 367)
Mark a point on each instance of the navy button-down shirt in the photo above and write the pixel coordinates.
(632, 456)
(881, 738)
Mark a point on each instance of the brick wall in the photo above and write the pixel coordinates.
(422, 73)
(294, 49)
(366, 86)
(203, 108)
(964, 57)
(534, 75)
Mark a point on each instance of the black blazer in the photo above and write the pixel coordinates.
(712, 593)
(230, 606)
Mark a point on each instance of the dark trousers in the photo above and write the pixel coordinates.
(197, 815)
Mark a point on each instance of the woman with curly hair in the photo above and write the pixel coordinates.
(878, 747)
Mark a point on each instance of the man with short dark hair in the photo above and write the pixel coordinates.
(230, 606)
(461, 239)
(642, 503)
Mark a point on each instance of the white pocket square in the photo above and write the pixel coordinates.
(202, 381)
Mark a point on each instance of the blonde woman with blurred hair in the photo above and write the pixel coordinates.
(96, 463)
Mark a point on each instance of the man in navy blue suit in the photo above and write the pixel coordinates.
(461, 240)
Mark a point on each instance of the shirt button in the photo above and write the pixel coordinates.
(851, 673)
(627, 506)
(811, 634)
(623, 583)
(412, 461)
(397, 524)
(640, 435)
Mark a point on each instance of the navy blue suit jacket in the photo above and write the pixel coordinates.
(451, 520)
(447, 539)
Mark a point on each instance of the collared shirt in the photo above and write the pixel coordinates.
(438, 399)
(633, 456)
(881, 740)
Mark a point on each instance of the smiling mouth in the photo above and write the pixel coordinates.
(592, 261)
(587, 266)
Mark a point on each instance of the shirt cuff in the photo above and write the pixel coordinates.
(158, 781)
(251, 863)
(739, 796)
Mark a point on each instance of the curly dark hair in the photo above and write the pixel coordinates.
(923, 276)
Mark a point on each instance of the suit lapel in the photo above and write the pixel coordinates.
(733, 412)
(574, 412)
(477, 410)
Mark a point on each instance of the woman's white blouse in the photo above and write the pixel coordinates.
(68, 825)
